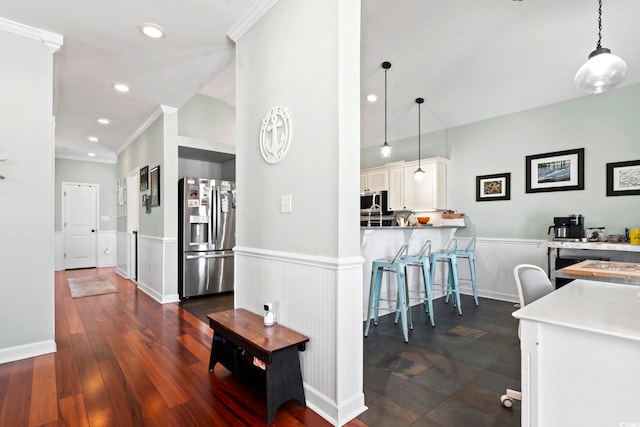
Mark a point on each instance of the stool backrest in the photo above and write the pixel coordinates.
(401, 252)
(471, 246)
(532, 283)
(452, 246)
(425, 250)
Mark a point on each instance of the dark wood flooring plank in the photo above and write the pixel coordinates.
(94, 393)
(126, 406)
(15, 408)
(73, 412)
(161, 374)
(44, 399)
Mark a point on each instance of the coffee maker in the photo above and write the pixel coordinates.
(568, 228)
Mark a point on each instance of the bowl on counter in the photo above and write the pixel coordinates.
(423, 219)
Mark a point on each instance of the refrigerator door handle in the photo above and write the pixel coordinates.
(210, 210)
(216, 214)
(207, 256)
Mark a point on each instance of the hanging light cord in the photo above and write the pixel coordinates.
(599, 24)
(385, 105)
(419, 135)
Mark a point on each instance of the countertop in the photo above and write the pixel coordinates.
(424, 227)
(594, 306)
(603, 246)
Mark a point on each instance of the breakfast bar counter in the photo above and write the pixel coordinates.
(384, 242)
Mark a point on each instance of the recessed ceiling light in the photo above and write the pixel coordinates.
(104, 121)
(92, 138)
(372, 97)
(92, 154)
(121, 87)
(153, 31)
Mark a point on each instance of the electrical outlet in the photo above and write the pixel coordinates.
(285, 203)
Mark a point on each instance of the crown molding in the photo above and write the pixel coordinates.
(168, 110)
(52, 41)
(141, 129)
(85, 158)
(249, 19)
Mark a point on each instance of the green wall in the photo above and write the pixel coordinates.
(85, 172)
(26, 198)
(146, 150)
(605, 125)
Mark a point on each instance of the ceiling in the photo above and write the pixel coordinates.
(470, 60)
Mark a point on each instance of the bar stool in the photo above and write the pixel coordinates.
(422, 260)
(449, 256)
(468, 253)
(397, 266)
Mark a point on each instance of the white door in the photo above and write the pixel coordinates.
(79, 222)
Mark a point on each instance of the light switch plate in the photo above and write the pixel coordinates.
(285, 204)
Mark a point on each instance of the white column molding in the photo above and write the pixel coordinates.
(168, 110)
(250, 18)
(52, 41)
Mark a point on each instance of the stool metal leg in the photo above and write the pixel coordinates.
(427, 290)
(456, 284)
(402, 304)
(374, 295)
(472, 267)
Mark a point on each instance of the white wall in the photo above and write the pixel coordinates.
(305, 56)
(27, 199)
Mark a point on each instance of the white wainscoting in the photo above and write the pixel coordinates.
(152, 262)
(107, 250)
(105, 255)
(122, 254)
(315, 296)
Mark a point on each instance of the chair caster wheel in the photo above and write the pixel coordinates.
(375, 323)
(506, 401)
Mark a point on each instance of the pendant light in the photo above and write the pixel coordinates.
(419, 173)
(385, 149)
(603, 70)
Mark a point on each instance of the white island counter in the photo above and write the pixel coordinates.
(384, 242)
(580, 356)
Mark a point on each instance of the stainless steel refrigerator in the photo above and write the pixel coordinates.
(206, 236)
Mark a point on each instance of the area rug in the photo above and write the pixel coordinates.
(89, 286)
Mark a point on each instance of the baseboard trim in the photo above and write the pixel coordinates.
(26, 351)
(156, 296)
(327, 409)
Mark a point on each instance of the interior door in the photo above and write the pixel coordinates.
(80, 230)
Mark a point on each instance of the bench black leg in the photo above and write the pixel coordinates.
(212, 358)
(284, 381)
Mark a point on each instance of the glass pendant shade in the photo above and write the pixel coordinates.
(385, 150)
(418, 175)
(601, 72)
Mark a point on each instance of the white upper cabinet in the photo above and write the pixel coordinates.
(405, 193)
(375, 179)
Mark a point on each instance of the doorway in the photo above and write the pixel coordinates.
(79, 221)
(133, 211)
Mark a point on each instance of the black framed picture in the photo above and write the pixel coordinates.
(623, 178)
(556, 171)
(493, 187)
(154, 183)
(144, 178)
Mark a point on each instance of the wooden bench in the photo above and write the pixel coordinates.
(240, 335)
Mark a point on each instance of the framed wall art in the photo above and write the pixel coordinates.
(623, 178)
(144, 178)
(493, 187)
(154, 184)
(556, 171)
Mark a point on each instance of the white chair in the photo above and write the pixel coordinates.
(532, 283)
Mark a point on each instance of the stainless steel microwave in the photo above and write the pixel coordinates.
(374, 203)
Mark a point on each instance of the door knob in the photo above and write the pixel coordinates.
(93, 231)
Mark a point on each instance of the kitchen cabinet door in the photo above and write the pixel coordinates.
(374, 179)
(405, 193)
(395, 198)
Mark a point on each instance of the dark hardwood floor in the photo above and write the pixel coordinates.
(125, 360)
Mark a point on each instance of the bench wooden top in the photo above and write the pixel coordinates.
(243, 326)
